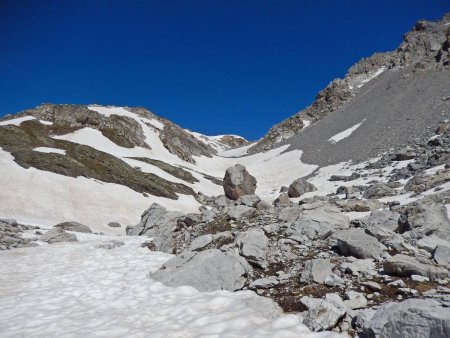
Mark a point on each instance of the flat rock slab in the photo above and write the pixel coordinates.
(359, 244)
(208, 270)
(402, 265)
(74, 226)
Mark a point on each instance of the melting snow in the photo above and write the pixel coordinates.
(79, 290)
(50, 150)
(17, 121)
(344, 134)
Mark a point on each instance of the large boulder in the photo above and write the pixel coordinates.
(300, 187)
(412, 318)
(207, 270)
(74, 226)
(158, 223)
(57, 235)
(358, 244)
(425, 217)
(238, 182)
(405, 266)
(253, 245)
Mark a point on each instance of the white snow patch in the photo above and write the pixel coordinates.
(108, 111)
(306, 123)
(47, 123)
(344, 134)
(79, 290)
(50, 150)
(41, 197)
(371, 77)
(17, 121)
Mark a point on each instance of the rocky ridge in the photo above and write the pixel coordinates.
(425, 47)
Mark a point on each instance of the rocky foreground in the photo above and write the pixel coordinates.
(382, 274)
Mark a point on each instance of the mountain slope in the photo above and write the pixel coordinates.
(425, 49)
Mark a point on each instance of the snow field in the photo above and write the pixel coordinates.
(80, 290)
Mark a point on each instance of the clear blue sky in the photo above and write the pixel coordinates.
(214, 66)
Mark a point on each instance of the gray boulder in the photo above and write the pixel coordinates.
(57, 235)
(253, 245)
(316, 270)
(207, 270)
(412, 318)
(238, 182)
(323, 314)
(264, 283)
(240, 211)
(424, 216)
(74, 226)
(379, 190)
(158, 223)
(354, 300)
(402, 265)
(289, 214)
(282, 200)
(385, 218)
(300, 187)
(249, 200)
(358, 244)
(442, 255)
(114, 224)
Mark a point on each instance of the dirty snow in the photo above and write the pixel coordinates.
(344, 134)
(50, 150)
(80, 290)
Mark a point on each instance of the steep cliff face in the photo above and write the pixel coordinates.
(426, 47)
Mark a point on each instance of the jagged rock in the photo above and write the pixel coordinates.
(422, 182)
(238, 182)
(412, 318)
(378, 190)
(74, 226)
(240, 211)
(249, 200)
(114, 224)
(354, 300)
(424, 216)
(316, 270)
(57, 235)
(282, 200)
(359, 244)
(442, 255)
(323, 314)
(11, 235)
(402, 265)
(253, 245)
(207, 270)
(201, 242)
(300, 187)
(158, 223)
(264, 283)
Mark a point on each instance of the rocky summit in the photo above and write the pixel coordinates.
(336, 220)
